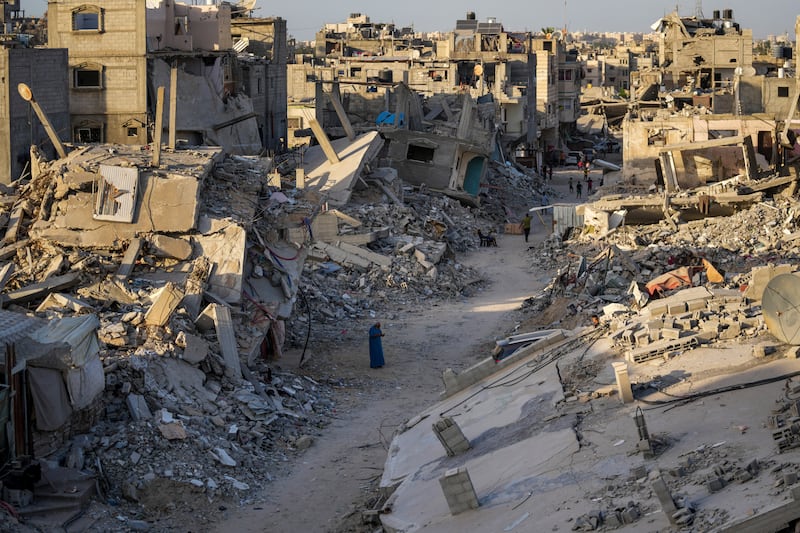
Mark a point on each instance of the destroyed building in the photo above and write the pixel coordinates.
(480, 58)
(706, 91)
(120, 55)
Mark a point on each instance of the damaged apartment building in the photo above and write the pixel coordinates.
(703, 112)
(359, 66)
(121, 53)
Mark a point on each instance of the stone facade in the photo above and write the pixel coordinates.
(107, 68)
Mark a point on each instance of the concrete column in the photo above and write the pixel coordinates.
(159, 127)
(324, 142)
(173, 103)
(458, 490)
(300, 178)
(665, 498)
(451, 436)
(336, 100)
(623, 381)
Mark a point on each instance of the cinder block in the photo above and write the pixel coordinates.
(657, 309)
(450, 436)
(676, 308)
(695, 305)
(671, 333)
(642, 338)
(458, 490)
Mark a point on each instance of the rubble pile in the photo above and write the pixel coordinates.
(512, 191)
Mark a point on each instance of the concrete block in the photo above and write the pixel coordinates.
(715, 485)
(163, 306)
(458, 490)
(164, 246)
(733, 330)
(677, 308)
(450, 436)
(657, 309)
(642, 338)
(195, 350)
(138, 407)
(695, 305)
(670, 333)
(664, 497)
(623, 381)
(760, 278)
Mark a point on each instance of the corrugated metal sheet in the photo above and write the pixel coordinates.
(565, 217)
(116, 193)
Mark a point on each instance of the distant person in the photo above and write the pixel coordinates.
(578, 189)
(375, 346)
(545, 203)
(571, 187)
(585, 173)
(589, 186)
(550, 172)
(525, 226)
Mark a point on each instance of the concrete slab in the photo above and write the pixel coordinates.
(335, 181)
(501, 425)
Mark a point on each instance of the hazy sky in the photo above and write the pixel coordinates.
(305, 17)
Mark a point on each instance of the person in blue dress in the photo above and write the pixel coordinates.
(375, 346)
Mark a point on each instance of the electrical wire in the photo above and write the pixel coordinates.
(742, 386)
(532, 368)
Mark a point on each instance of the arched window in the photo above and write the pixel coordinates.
(87, 18)
(87, 76)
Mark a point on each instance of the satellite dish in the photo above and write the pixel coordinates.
(246, 5)
(478, 70)
(780, 305)
(25, 92)
(557, 35)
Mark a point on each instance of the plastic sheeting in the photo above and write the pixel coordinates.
(50, 402)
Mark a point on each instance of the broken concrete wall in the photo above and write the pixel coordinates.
(179, 26)
(644, 139)
(228, 121)
(166, 204)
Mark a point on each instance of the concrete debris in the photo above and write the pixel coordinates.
(187, 299)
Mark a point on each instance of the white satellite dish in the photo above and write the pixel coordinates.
(557, 35)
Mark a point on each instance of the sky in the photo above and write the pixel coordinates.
(305, 17)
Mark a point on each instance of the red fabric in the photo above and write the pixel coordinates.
(671, 280)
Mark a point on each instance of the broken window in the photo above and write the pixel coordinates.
(87, 18)
(133, 132)
(783, 92)
(423, 154)
(87, 77)
(295, 123)
(88, 133)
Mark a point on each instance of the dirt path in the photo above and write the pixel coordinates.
(330, 477)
